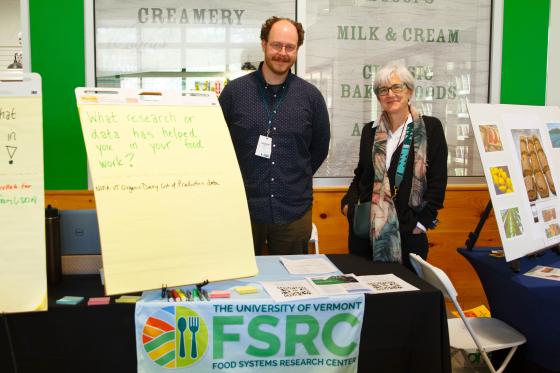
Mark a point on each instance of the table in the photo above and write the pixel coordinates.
(402, 332)
(529, 304)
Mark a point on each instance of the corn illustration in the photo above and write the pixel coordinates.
(542, 187)
(543, 162)
(501, 179)
(527, 170)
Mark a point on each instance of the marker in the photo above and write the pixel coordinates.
(205, 295)
(182, 295)
(189, 296)
(195, 295)
(170, 296)
(176, 295)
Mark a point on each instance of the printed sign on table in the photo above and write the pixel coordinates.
(258, 335)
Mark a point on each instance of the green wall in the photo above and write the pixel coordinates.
(524, 52)
(57, 54)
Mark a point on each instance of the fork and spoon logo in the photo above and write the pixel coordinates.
(194, 324)
(175, 337)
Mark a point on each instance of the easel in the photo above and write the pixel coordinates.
(515, 264)
(10, 342)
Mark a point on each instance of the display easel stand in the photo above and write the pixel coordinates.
(515, 264)
(10, 343)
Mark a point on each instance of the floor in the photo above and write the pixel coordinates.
(458, 366)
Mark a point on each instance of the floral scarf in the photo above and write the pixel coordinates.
(384, 222)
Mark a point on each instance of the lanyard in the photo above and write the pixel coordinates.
(403, 158)
(270, 114)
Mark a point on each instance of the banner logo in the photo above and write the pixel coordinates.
(175, 337)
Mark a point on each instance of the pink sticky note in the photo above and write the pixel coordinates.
(220, 294)
(99, 301)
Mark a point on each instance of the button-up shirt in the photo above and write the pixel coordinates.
(280, 188)
(394, 139)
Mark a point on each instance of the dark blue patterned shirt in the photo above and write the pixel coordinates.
(279, 189)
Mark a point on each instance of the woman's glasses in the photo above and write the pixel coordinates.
(396, 88)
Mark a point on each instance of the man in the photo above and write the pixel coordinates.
(279, 125)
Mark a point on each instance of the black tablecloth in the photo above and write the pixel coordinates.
(402, 332)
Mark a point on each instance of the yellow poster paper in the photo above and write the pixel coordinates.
(23, 279)
(170, 199)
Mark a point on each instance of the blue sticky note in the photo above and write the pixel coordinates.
(71, 300)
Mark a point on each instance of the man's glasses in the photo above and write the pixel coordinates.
(290, 48)
(396, 88)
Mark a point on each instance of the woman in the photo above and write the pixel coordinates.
(404, 199)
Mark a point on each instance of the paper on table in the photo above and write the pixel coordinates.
(23, 278)
(547, 273)
(284, 291)
(338, 285)
(388, 283)
(308, 266)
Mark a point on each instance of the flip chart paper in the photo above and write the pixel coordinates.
(169, 194)
(23, 280)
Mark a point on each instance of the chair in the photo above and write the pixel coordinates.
(470, 335)
(314, 239)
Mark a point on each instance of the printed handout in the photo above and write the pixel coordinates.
(308, 266)
(548, 273)
(338, 285)
(284, 291)
(388, 283)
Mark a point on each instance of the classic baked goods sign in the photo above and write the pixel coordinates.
(520, 151)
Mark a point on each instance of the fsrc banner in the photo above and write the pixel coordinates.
(321, 335)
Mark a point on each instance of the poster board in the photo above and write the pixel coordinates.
(520, 151)
(170, 199)
(23, 277)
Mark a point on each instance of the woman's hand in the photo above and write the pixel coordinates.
(417, 230)
(345, 210)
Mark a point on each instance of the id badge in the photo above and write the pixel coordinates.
(264, 147)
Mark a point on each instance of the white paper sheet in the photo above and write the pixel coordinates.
(548, 273)
(338, 284)
(388, 283)
(308, 266)
(285, 291)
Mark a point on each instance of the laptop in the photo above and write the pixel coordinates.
(79, 232)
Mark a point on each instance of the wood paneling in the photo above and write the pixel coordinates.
(463, 208)
(70, 199)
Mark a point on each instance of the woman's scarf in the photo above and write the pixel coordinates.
(384, 222)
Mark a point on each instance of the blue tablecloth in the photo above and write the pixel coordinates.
(529, 304)
(270, 269)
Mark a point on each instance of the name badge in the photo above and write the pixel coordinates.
(264, 147)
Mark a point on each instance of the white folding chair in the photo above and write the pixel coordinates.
(473, 334)
(314, 239)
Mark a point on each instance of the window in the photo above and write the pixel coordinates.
(201, 44)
